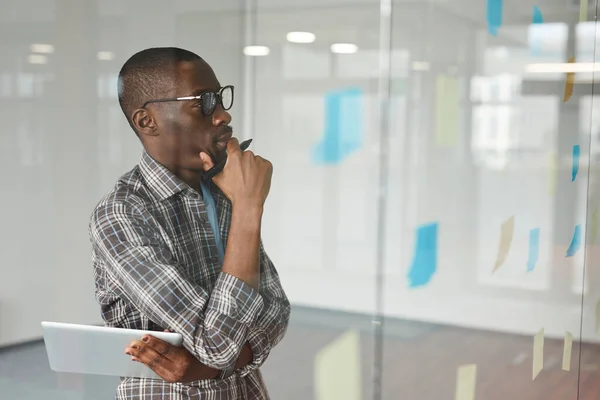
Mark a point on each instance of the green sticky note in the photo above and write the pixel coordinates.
(337, 369)
(567, 349)
(507, 231)
(447, 110)
(538, 354)
(466, 382)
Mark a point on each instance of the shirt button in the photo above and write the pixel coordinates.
(214, 259)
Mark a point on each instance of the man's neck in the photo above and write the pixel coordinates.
(191, 177)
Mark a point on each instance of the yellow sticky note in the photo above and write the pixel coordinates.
(553, 174)
(506, 236)
(538, 353)
(583, 10)
(447, 110)
(466, 382)
(569, 82)
(337, 369)
(567, 349)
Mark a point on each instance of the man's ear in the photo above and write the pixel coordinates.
(144, 122)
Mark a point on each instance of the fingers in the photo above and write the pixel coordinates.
(152, 346)
(249, 155)
(207, 162)
(264, 164)
(159, 345)
(154, 355)
(233, 145)
(233, 148)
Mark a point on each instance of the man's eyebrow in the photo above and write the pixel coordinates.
(198, 92)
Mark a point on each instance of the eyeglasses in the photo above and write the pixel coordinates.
(209, 100)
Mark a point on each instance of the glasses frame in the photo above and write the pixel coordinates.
(218, 94)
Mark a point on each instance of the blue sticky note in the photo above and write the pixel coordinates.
(424, 262)
(535, 38)
(537, 18)
(534, 248)
(343, 126)
(575, 170)
(494, 16)
(575, 243)
(535, 35)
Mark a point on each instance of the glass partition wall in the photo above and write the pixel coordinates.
(433, 213)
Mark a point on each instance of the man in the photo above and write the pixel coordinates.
(174, 251)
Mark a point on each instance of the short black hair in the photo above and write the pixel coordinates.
(148, 75)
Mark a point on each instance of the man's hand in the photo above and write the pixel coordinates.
(176, 364)
(173, 364)
(245, 179)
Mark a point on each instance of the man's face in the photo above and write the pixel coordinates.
(184, 131)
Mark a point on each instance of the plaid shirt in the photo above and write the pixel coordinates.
(156, 266)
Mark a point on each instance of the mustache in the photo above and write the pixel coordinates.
(227, 130)
(216, 153)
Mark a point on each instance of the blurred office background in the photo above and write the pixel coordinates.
(423, 218)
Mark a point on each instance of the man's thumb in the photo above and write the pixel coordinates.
(206, 161)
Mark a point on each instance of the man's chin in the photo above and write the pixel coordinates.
(220, 154)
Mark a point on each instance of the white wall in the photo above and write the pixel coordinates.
(64, 143)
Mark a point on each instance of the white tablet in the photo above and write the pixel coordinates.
(97, 350)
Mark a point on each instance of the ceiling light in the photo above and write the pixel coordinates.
(344, 48)
(256, 51)
(37, 59)
(562, 68)
(42, 48)
(105, 56)
(300, 37)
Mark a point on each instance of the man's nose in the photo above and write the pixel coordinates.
(221, 117)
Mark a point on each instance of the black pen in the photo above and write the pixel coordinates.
(245, 144)
(208, 175)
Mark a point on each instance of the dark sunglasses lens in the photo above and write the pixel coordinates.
(227, 97)
(209, 102)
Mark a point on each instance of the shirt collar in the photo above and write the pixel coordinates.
(162, 182)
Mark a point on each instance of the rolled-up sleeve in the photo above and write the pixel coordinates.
(272, 322)
(214, 325)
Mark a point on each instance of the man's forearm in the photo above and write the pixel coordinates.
(242, 261)
(206, 372)
(271, 324)
(243, 243)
